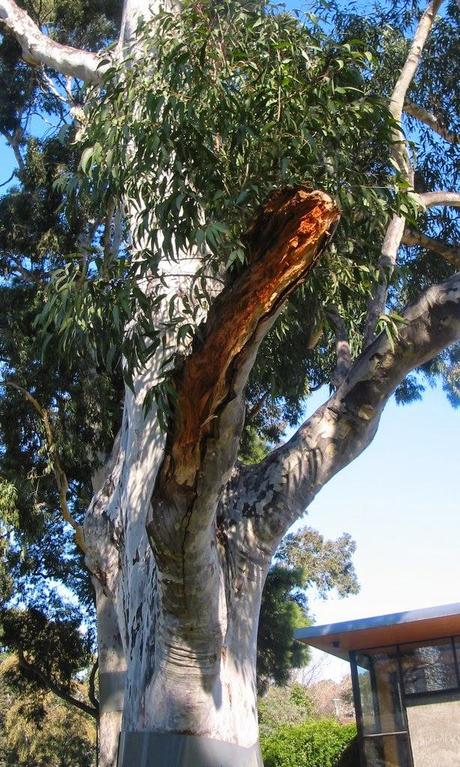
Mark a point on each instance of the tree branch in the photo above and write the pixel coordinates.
(92, 685)
(448, 252)
(284, 244)
(342, 346)
(405, 79)
(59, 473)
(55, 688)
(433, 122)
(13, 141)
(439, 199)
(38, 49)
(273, 494)
(400, 156)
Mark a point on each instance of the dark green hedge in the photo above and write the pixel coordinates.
(313, 744)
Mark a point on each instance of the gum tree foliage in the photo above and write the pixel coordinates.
(169, 153)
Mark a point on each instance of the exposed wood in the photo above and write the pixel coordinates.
(284, 243)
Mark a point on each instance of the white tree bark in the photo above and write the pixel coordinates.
(188, 600)
(112, 672)
(401, 159)
(40, 50)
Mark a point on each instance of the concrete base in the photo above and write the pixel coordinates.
(148, 749)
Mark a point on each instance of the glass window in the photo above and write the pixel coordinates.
(428, 667)
(457, 652)
(366, 692)
(387, 751)
(380, 691)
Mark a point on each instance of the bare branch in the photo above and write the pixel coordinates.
(5, 183)
(413, 59)
(92, 685)
(38, 49)
(59, 473)
(439, 199)
(400, 155)
(342, 346)
(433, 122)
(13, 140)
(29, 668)
(448, 252)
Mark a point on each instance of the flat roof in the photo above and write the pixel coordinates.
(383, 630)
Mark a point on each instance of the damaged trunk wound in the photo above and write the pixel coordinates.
(284, 242)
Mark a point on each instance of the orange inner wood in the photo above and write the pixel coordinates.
(283, 243)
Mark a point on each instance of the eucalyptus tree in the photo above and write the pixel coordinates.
(219, 146)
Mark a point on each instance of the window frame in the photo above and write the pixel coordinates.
(398, 648)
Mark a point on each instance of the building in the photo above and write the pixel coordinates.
(406, 684)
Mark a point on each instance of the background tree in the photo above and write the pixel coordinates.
(303, 560)
(182, 233)
(38, 729)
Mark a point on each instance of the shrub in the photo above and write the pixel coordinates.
(286, 705)
(313, 744)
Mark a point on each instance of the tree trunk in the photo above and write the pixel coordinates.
(198, 689)
(112, 672)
